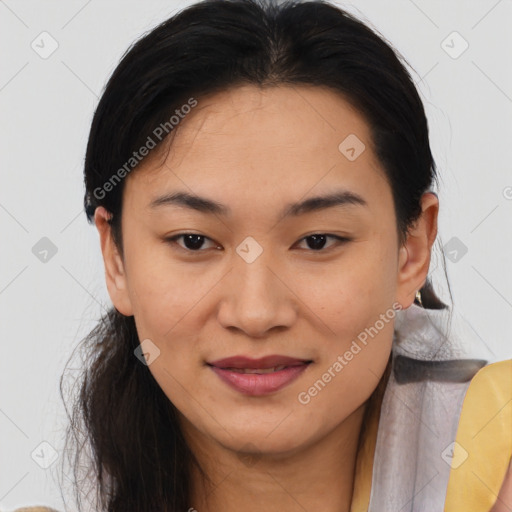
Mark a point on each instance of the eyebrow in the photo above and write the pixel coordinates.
(338, 198)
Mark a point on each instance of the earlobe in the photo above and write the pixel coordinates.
(115, 275)
(414, 255)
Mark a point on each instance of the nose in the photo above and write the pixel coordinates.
(259, 297)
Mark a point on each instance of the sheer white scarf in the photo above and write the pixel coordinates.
(433, 362)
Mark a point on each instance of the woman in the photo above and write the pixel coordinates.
(261, 179)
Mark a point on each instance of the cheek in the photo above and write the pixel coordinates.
(165, 312)
(163, 291)
(355, 306)
(349, 370)
(350, 293)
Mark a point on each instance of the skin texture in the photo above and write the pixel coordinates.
(504, 499)
(255, 151)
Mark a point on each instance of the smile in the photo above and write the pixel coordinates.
(257, 377)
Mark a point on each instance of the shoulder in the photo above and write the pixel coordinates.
(483, 446)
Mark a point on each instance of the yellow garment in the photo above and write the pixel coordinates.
(483, 448)
(484, 436)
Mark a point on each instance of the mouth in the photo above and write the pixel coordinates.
(259, 371)
(259, 376)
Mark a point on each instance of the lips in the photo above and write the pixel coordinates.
(259, 376)
(265, 363)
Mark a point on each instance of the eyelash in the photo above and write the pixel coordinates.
(340, 240)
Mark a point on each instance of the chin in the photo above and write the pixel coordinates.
(258, 443)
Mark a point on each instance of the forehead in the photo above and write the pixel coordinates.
(257, 144)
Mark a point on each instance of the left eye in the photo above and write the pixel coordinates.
(194, 243)
(317, 241)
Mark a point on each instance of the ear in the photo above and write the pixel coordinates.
(115, 275)
(414, 255)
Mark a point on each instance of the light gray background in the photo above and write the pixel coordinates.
(47, 106)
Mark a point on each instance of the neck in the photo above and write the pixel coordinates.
(319, 476)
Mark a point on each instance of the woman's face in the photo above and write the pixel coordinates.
(254, 281)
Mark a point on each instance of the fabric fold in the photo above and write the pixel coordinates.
(434, 357)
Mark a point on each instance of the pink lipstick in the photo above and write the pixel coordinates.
(257, 377)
